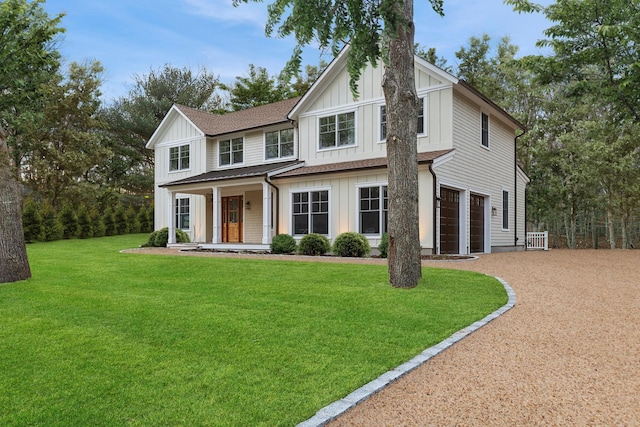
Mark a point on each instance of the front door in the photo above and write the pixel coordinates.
(232, 219)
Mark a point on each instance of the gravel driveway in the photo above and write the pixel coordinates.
(567, 354)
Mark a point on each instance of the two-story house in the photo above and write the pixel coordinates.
(317, 164)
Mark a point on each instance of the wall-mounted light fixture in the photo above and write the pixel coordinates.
(494, 211)
(438, 199)
(248, 205)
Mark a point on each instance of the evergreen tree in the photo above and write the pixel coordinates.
(69, 221)
(132, 220)
(51, 227)
(31, 222)
(109, 222)
(97, 224)
(85, 229)
(144, 219)
(120, 219)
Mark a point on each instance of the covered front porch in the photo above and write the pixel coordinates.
(227, 210)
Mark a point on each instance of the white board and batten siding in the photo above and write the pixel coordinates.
(475, 169)
(344, 200)
(337, 99)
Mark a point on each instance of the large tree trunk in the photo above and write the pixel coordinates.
(14, 264)
(402, 153)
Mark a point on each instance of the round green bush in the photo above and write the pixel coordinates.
(283, 244)
(383, 246)
(159, 238)
(314, 244)
(351, 244)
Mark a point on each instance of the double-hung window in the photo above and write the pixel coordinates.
(505, 210)
(179, 158)
(231, 151)
(373, 209)
(338, 130)
(278, 144)
(182, 213)
(485, 130)
(383, 120)
(310, 212)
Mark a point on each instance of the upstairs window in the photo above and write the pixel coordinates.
(383, 120)
(231, 151)
(485, 130)
(337, 131)
(373, 209)
(278, 144)
(179, 158)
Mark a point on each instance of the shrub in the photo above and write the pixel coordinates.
(85, 228)
(351, 244)
(314, 244)
(31, 222)
(283, 244)
(120, 218)
(383, 246)
(109, 222)
(51, 228)
(69, 222)
(160, 238)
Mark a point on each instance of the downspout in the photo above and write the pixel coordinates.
(515, 193)
(277, 203)
(435, 208)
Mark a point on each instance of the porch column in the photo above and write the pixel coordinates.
(215, 200)
(172, 218)
(266, 213)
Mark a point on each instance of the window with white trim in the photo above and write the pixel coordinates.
(182, 213)
(278, 144)
(310, 212)
(338, 130)
(505, 210)
(373, 209)
(231, 151)
(383, 120)
(179, 158)
(485, 130)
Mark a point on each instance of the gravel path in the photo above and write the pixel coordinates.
(567, 354)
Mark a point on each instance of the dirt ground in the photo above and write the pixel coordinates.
(568, 353)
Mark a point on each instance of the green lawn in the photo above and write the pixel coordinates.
(103, 338)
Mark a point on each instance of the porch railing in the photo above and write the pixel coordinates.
(538, 240)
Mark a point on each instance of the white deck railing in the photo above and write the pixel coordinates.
(538, 240)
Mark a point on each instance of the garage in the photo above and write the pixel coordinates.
(449, 221)
(476, 224)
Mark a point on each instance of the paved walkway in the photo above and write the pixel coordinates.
(567, 354)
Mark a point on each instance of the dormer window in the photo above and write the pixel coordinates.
(231, 151)
(338, 130)
(278, 144)
(179, 158)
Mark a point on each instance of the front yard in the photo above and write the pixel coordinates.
(99, 337)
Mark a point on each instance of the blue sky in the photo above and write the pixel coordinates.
(129, 37)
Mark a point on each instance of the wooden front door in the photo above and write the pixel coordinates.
(449, 221)
(232, 219)
(477, 223)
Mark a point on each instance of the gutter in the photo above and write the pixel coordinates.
(515, 186)
(435, 208)
(277, 214)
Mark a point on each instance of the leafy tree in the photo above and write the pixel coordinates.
(255, 89)
(375, 31)
(304, 81)
(27, 57)
(67, 145)
(432, 57)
